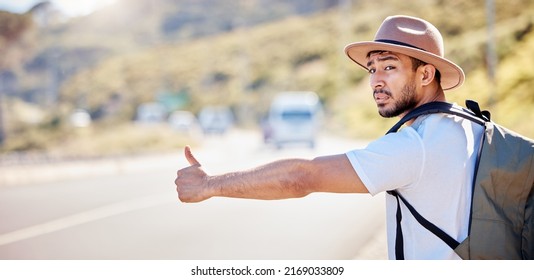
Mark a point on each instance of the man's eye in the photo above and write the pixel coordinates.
(389, 68)
(372, 71)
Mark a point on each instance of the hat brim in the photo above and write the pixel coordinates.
(452, 76)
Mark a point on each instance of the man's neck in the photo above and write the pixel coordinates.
(430, 96)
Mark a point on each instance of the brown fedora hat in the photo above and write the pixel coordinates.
(413, 37)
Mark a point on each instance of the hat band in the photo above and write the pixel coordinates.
(398, 43)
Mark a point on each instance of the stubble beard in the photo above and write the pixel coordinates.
(405, 103)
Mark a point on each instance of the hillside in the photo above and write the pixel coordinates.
(244, 65)
(68, 47)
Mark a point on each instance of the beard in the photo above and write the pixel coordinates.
(405, 103)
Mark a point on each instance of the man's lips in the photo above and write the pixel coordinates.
(381, 96)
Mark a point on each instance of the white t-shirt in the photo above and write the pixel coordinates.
(431, 164)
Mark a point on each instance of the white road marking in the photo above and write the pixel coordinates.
(85, 217)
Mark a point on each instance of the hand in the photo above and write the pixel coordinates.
(191, 182)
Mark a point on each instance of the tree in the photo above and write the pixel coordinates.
(13, 27)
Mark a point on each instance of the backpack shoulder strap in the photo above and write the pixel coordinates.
(475, 108)
(399, 244)
(473, 114)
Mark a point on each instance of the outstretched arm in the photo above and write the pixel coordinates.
(290, 178)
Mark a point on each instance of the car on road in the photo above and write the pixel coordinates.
(151, 112)
(80, 118)
(293, 117)
(215, 119)
(184, 122)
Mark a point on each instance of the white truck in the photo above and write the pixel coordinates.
(293, 117)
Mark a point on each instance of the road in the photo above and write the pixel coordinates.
(128, 209)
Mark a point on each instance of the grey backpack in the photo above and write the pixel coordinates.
(501, 223)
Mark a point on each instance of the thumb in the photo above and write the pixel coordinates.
(189, 156)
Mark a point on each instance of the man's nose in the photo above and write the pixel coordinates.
(376, 81)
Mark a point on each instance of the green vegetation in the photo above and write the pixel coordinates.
(247, 66)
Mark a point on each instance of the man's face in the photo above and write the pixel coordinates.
(392, 80)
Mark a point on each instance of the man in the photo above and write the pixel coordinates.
(430, 162)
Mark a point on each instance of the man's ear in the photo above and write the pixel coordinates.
(428, 72)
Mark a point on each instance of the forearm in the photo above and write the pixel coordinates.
(282, 179)
(277, 180)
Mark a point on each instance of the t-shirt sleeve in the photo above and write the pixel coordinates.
(393, 161)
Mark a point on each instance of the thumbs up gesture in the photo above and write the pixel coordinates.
(191, 181)
(190, 158)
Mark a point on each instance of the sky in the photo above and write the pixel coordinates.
(70, 7)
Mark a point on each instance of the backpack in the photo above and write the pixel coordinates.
(501, 221)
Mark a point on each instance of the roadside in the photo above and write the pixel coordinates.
(12, 176)
(25, 174)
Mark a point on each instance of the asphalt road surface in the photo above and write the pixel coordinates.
(128, 209)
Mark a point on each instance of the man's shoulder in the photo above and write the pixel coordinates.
(438, 121)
